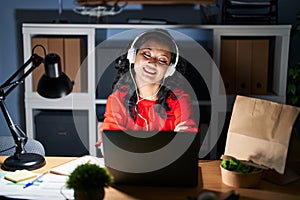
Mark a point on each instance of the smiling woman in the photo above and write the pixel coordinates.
(151, 64)
(147, 93)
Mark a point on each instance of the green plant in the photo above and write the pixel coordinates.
(237, 166)
(293, 85)
(87, 177)
(293, 88)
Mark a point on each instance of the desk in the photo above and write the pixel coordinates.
(211, 180)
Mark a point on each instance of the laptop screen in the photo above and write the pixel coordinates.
(152, 158)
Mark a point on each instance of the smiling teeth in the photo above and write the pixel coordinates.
(150, 71)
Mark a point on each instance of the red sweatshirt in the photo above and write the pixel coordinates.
(117, 117)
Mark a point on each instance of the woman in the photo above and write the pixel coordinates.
(146, 93)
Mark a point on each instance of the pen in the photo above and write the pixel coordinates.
(36, 179)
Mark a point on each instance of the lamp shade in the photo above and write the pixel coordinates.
(54, 83)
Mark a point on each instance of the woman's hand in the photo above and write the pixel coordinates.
(186, 126)
(181, 127)
(99, 142)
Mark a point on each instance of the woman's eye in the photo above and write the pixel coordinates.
(163, 62)
(147, 54)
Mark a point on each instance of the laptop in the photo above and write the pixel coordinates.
(152, 158)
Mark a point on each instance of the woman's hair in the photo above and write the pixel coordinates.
(125, 79)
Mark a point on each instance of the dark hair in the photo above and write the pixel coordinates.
(124, 78)
(159, 35)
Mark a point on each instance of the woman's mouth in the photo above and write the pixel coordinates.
(149, 70)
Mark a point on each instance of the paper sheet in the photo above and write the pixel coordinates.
(50, 187)
(67, 168)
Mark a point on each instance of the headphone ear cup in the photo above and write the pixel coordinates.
(131, 55)
(170, 71)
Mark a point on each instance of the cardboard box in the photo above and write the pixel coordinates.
(56, 45)
(71, 52)
(74, 55)
(228, 64)
(260, 63)
(244, 65)
(39, 71)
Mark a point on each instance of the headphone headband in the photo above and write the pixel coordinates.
(131, 54)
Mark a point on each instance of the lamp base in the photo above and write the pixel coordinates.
(29, 161)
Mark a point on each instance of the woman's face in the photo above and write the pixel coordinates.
(152, 61)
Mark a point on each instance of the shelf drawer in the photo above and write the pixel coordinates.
(63, 133)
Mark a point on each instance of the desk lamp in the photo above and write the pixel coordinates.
(53, 84)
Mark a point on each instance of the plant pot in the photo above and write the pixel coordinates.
(89, 195)
(236, 179)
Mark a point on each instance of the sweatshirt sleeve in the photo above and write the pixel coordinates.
(184, 113)
(114, 115)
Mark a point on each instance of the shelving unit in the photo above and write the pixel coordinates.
(250, 11)
(94, 33)
(81, 101)
(281, 33)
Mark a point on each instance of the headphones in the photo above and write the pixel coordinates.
(131, 54)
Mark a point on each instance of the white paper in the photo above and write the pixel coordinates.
(67, 168)
(50, 186)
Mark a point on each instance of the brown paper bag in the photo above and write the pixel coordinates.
(260, 131)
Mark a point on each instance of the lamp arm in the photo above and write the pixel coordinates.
(47, 87)
(35, 60)
(18, 134)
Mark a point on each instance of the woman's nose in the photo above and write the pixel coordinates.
(153, 60)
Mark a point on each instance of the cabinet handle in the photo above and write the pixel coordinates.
(62, 133)
(243, 85)
(258, 85)
(227, 85)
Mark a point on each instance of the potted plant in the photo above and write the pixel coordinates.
(88, 181)
(237, 173)
(293, 89)
(293, 98)
(293, 85)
